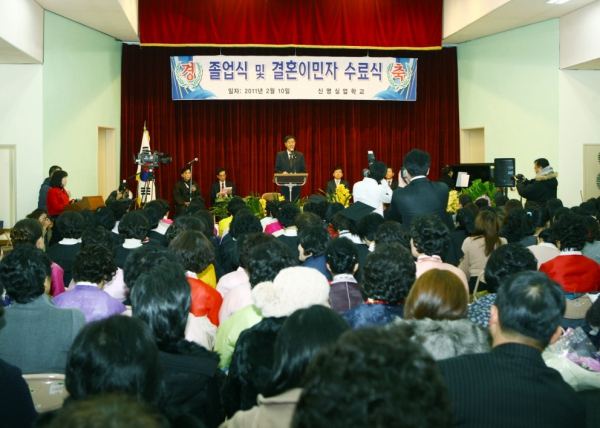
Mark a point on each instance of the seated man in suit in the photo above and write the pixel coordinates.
(290, 161)
(332, 185)
(222, 188)
(511, 386)
(417, 195)
(389, 178)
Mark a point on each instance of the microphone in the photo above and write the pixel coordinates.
(192, 161)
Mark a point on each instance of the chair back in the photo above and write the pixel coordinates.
(48, 390)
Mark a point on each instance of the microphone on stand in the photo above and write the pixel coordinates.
(192, 161)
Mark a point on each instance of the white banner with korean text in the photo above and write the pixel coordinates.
(271, 77)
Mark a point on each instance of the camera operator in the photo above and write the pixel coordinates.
(123, 192)
(371, 190)
(542, 187)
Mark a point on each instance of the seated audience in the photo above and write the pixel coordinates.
(437, 295)
(301, 336)
(70, 226)
(511, 204)
(94, 265)
(387, 277)
(511, 386)
(478, 247)
(513, 230)
(194, 252)
(16, 406)
(119, 209)
(344, 385)
(545, 250)
(264, 262)
(312, 242)
(29, 231)
(465, 227)
(35, 334)
(591, 248)
(107, 410)
(430, 241)
(307, 219)
(575, 272)
(341, 256)
(115, 355)
(540, 220)
(162, 208)
(244, 222)
(293, 288)
(505, 261)
(241, 294)
(332, 210)
(235, 204)
(134, 230)
(392, 231)
(446, 338)
(105, 218)
(162, 299)
(367, 229)
(287, 217)
(100, 236)
(153, 218)
(270, 210)
(42, 217)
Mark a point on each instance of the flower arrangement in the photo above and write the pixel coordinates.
(219, 209)
(256, 204)
(479, 189)
(341, 195)
(452, 202)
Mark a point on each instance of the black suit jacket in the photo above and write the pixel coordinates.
(510, 386)
(283, 164)
(216, 188)
(421, 196)
(331, 186)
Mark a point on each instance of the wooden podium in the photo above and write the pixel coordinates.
(290, 181)
(86, 203)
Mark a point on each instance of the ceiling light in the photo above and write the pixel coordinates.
(557, 1)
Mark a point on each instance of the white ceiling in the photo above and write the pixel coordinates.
(117, 18)
(512, 14)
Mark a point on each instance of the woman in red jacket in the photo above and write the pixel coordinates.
(57, 196)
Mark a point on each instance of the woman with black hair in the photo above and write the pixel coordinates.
(35, 335)
(161, 298)
(301, 336)
(312, 243)
(58, 197)
(118, 354)
(134, 230)
(465, 227)
(70, 226)
(94, 266)
(29, 231)
(46, 223)
(332, 210)
(545, 250)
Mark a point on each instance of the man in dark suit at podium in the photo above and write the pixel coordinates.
(332, 185)
(290, 161)
(222, 188)
(419, 196)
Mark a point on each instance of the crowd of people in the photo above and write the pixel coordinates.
(319, 316)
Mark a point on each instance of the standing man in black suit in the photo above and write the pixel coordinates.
(290, 161)
(332, 185)
(389, 178)
(511, 386)
(222, 188)
(416, 195)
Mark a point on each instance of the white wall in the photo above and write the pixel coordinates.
(22, 26)
(580, 37)
(508, 84)
(579, 111)
(21, 125)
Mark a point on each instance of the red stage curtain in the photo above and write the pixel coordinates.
(375, 24)
(244, 136)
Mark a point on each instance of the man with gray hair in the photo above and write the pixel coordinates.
(511, 386)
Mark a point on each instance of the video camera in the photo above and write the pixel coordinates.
(151, 159)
